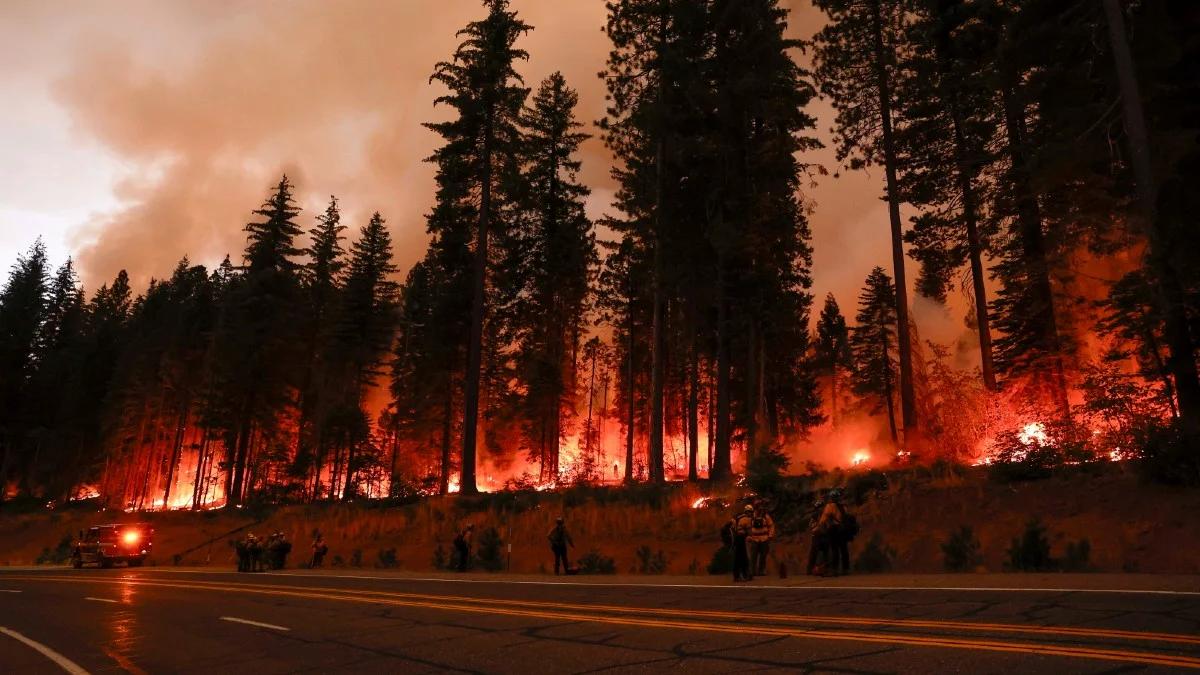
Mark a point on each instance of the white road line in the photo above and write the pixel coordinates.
(101, 599)
(248, 622)
(8, 590)
(62, 661)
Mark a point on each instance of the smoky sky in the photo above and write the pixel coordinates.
(195, 107)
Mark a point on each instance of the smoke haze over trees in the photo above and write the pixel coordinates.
(1034, 156)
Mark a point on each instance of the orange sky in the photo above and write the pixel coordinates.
(137, 131)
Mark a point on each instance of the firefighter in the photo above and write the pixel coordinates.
(254, 549)
(818, 551)
(762, 532)
(278, 548)
(462, 546)
(559, 540)
(319, 549)
(740, 528)
(243, 554)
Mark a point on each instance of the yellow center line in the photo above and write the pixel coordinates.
(491, 607)
(743, 616)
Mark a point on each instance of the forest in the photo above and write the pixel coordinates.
(1037, 157)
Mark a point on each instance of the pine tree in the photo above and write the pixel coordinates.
(365, 329)
(873, 341)
(258, 344)
(322, 284)
(23, 309)
(949, 122)
(556, 252)
(833, 356)
(480, 146)
(856, 56)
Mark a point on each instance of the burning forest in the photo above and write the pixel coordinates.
(1038, 160)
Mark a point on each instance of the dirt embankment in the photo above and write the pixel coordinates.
(1129, 526)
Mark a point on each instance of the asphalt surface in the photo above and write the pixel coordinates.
(200, 621)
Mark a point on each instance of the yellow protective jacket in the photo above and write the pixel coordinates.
(762, 528)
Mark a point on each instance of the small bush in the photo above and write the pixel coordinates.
(338, 561)
(490, 554)
(1168, 456)
(441, 559)
(765, 469)
(59, 554)
(960, 553)
(722, 561)
(860, 486)
(650, 562)
(356, 558)
(596, 563)
(1031, 551)
(387, 558)
(1078, 556)
(875, 557)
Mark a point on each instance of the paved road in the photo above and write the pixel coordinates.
(193, 621)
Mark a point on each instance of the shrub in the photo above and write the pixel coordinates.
(722, 561)
(875, 557)
(356, 558)
(1078, 556)
(960, 553)
(338, 561)
(441, 559)
(596, 563)
(387, 558)
(59, 554)
(650, 562)
(1031, 551)
(489, 553)
(765, 468)
(1168, 455)
(860, 486)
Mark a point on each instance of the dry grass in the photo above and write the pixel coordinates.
(1131, 526)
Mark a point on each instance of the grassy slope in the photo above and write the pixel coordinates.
(1130, 526)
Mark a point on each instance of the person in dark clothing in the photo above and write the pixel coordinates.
(762, 531)
(278, 548)
(243, 555)
(741, 526)
(319, 549)
(818, 550)
(839, 538)
(254, 549)
(560, 539)
(462, 546)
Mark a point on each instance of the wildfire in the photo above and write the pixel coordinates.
(1033, 433)
(699, 502)
(860, 457)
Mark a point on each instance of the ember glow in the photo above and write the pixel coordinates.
(859, 458)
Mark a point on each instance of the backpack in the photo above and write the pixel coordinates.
(727, 534)
(849, 526)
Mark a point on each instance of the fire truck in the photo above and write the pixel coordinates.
(105, 545)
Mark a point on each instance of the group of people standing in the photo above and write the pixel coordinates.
(257, 555)
(752, 530)
(750, 533)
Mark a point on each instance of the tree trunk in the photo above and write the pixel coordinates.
(974, 251)
(907, 398)
(1181, 356)
(1029, 219)
(631, 402)
(693, 413)
(475, 339)
(658, 328)
(447, 422)
(752, 390)
(889, 395)
(722, 466)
